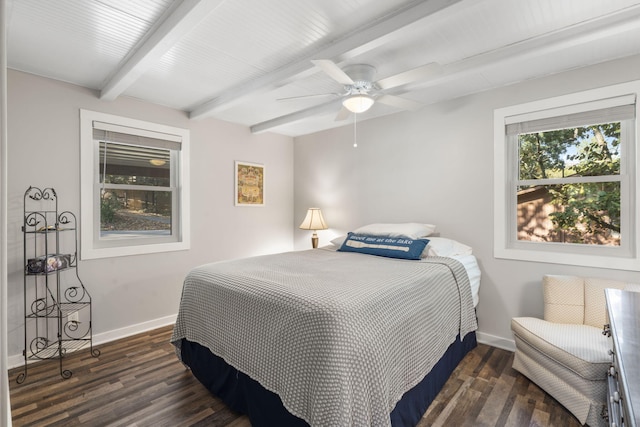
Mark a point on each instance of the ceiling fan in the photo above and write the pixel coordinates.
(361, 91)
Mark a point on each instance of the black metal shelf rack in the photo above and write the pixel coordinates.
(57, 306)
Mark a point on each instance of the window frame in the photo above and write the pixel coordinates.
(91, 246)
(506, 163)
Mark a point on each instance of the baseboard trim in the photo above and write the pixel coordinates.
(127, 331)
(496, 341)
(116, 334)
(105, 337)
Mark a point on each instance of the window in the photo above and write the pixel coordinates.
(565, 179)
(134, 186)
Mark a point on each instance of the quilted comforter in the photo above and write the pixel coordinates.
(340, 337)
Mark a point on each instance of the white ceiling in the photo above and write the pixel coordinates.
(234, 59)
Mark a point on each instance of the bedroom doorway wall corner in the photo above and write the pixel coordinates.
(5, 404)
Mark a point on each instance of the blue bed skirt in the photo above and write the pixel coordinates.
(264, 408)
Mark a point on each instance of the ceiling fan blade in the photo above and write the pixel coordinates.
(396, 101)
(343, 114)
(333, 71)
(421, 73)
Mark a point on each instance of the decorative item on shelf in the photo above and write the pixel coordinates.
(314, 221)
(48, 263)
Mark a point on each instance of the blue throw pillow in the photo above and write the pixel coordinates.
(391, 247)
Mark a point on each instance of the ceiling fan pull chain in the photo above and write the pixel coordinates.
(355, 130)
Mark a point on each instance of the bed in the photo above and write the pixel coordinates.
(328, 338)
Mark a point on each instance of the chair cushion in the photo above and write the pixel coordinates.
(595, 305)
(633, 287)
(580, 348)
(563, 299)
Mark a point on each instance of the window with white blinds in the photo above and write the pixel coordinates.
(565, 179)
(134, 186)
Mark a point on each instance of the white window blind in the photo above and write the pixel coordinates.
(619, 109)
(128, 135)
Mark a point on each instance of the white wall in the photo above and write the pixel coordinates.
(130, 293)
(436, 165)
(432, 165)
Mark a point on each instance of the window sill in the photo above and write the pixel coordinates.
(97, 253)
(559, 257)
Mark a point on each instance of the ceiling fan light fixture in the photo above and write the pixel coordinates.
(358, 103)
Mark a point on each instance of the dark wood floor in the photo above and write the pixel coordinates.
(138, 381)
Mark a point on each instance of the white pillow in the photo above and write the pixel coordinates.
(412, 230)
(338, 241)
(441, 246)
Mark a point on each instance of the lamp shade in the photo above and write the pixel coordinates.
(314, 220)
(358, 103)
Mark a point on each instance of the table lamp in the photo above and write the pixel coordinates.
(314, 221)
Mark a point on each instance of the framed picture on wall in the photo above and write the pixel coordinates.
(249, 184)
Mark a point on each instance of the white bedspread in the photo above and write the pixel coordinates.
(340, 337)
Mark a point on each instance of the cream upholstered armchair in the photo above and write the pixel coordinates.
(566, 353)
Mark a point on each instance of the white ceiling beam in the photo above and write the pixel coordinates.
(327, 107)
(180, 18)
(564, 39)
(584, 32)
(359, 41)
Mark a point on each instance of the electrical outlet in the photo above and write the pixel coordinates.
(73, 317)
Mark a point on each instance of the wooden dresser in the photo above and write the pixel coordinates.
(623, 309)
